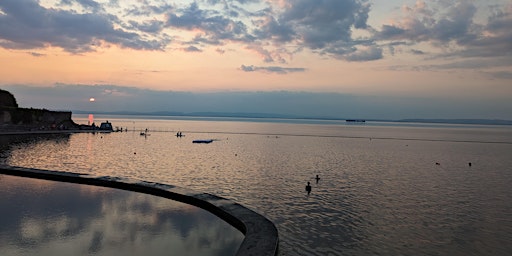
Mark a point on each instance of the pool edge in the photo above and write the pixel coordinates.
(261, 236)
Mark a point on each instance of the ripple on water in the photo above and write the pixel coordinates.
(379, 196)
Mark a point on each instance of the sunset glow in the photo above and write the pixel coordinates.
(458, 51)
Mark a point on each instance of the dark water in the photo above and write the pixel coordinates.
(41, 217)
(380, 193)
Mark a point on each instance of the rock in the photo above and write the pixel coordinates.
(7, 99)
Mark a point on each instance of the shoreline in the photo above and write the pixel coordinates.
(35, 132)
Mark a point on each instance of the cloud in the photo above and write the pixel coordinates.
(268, 28)
(211, 23)
(192, 49)
(271, 69)
(322, 26)
(147, 9)
(265, 54)
(82, 25)
(507, 75)
(452, 29)
(27, 25)
(274, 30)
(368, 54)
(320, 23)
(36, 54)
(87, 4)
(152, 26)
(417, 52)
(497, 62)
(114, 91)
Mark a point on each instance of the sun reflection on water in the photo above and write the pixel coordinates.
(380, 191)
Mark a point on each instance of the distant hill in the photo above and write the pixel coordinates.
(196, 114)
(269, 115)
(459, 121)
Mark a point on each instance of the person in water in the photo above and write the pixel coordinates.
(317, 178)
(308, 188)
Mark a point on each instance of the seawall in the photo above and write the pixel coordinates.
(26, 119)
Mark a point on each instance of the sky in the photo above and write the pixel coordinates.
(338, 58)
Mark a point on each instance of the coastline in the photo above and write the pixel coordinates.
(9, 129)
(237, 115)
(34, 132)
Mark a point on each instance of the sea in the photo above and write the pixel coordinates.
(384, 188)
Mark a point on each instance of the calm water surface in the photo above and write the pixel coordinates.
(380, 190)
(41, 217)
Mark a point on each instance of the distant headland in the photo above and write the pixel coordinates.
(285, 116)
(14, 118)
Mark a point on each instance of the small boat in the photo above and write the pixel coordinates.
(202, 141)
(106, 126)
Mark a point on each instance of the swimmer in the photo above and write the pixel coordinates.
(308, 188)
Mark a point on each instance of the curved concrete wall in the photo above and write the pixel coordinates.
(261, 237)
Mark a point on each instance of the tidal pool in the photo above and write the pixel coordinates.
(41, 217)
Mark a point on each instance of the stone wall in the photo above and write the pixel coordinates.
(35, 118)
(14, 118)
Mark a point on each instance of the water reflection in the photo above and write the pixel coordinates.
(9, 143)
(42, 217)
(381, 196)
